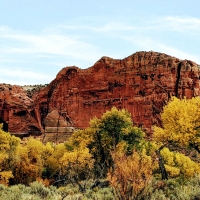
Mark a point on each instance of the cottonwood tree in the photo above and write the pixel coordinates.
(113, 127)
(31, 161)
(181, 123)
(8, 155)
(104, 134)
(77, 164)
(180, 127)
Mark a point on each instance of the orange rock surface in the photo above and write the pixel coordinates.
(141, 83)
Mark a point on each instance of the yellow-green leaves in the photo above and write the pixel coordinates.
(179, 164)
(77, 161)
(5, 176)
(8, 155)
(181, 122)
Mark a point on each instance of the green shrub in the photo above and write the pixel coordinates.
(157, 195)
(2, 187)
(68, 190)
(39, 189)
(173, 190)
(98, 194)
(11, 193)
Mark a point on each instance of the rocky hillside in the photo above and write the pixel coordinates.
(141, 83)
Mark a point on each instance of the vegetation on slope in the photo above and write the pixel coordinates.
(111, 159)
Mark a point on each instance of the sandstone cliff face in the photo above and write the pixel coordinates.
(141, 83)
(17, 111)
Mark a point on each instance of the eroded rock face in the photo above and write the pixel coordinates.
(141, 83)
(17, 111)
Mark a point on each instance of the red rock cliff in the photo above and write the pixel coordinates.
(141, 83)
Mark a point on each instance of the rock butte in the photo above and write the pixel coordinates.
(141, 83)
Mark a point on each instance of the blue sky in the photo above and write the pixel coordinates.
(40, 37)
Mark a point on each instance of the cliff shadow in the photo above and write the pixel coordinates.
(5, 125)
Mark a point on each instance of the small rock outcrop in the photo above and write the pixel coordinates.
(141, 83)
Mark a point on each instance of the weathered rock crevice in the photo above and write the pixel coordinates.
(178, 79)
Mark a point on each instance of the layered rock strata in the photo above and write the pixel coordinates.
(141, 83)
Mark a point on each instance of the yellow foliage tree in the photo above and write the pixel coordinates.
(8, 155)
(32, 156)
(181, 123)
(52, 164)
(131, 173)
(5, 176)
(77, 165)
(80, 138)
(181, 130)
(178, 164)
(103, 136)
(77, 160)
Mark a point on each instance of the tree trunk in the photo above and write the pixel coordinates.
(161, 164)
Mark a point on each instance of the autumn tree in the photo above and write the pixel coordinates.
(52, 162)
(131, 173)
(8, 155)
(178, 164)
(113, 127)
(180, 127)
(181, 123)
(32, 159)
(77, 165)
(104, 134)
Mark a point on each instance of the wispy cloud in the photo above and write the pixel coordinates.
(187, 25)
(40, 49)
(23, 74)
(105, 28)
(46, 43)
(22, 77)
(81, 43)
(182, 23)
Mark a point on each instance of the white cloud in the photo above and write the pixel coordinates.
(22, 74)
(183, 22)
(46, 43)
(83, 44)
(108, 27)
(115, 27)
